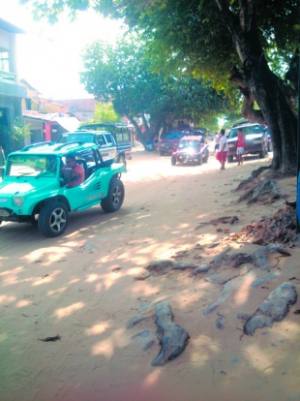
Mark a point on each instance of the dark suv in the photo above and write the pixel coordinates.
(168, 141)
(256, 140)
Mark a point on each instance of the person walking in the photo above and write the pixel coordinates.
(240, 146)
(223, 149)
(217, 142)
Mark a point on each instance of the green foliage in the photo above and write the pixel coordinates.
(125, 76)
(20, 132)
(193, 36)
(105, 112)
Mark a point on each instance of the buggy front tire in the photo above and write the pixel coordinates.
(115, 196)
(53, 219)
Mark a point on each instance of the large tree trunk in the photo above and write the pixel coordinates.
(265, 87)
(139, 133)
(276, 110)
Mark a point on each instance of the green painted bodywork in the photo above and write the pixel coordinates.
(22, 195)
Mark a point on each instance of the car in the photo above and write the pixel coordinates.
(199, 131)
(168, 142)
(103, 139)
(35, 190)
(122, 133)
(191, 149)
(256, 140)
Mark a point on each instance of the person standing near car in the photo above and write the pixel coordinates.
(240, 146)
(223, 149)
(217, 142)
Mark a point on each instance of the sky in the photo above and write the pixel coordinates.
(49, 56)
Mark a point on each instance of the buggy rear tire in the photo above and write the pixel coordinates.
(115, 196)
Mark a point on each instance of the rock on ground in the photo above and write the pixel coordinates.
(172, 338)
(273, 309)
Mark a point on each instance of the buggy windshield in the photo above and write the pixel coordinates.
(32, 166)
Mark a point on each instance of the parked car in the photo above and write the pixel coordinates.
(168, 142)
(122, 133)
(191, 149)
(256, 140)
(199, 131)
(34, 188)
(103, 139)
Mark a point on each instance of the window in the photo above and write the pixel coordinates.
(88, 156)
(126, 135)
(119, 137)
(109, 140)
(100, 140)
(4, 60)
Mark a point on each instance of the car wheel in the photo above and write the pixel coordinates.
(53, 219)
(230, 159)
(173, 161)
(115, 196)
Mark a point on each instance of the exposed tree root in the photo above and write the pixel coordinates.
(266, 191)
(279, 228)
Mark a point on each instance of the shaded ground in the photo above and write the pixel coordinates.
(83, 287)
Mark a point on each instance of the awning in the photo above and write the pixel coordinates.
(11, 88)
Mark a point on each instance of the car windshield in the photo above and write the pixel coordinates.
(80, 138)
(252, 129)
(32, 166)
(172, 135)
(189, 144)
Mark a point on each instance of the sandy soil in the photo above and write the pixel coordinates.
(83, 286)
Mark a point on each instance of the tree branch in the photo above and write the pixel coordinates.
(246, 15)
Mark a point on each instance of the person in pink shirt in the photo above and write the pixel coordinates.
(240, 146)
(77, 172)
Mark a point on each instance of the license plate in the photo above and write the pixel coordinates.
(4, 213)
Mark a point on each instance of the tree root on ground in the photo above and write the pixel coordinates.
(273, 309)
(253, 176)
(266, 191)
(220, 220)
(279, 228)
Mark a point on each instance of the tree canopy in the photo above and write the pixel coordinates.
(105, 112)
(123, 75)
(246, 44)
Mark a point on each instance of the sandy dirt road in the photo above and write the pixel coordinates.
(83, 286)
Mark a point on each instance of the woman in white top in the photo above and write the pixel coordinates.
(223, 149)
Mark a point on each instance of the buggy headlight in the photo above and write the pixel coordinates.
(18, 200)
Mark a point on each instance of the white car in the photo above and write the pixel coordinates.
(103, 139)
